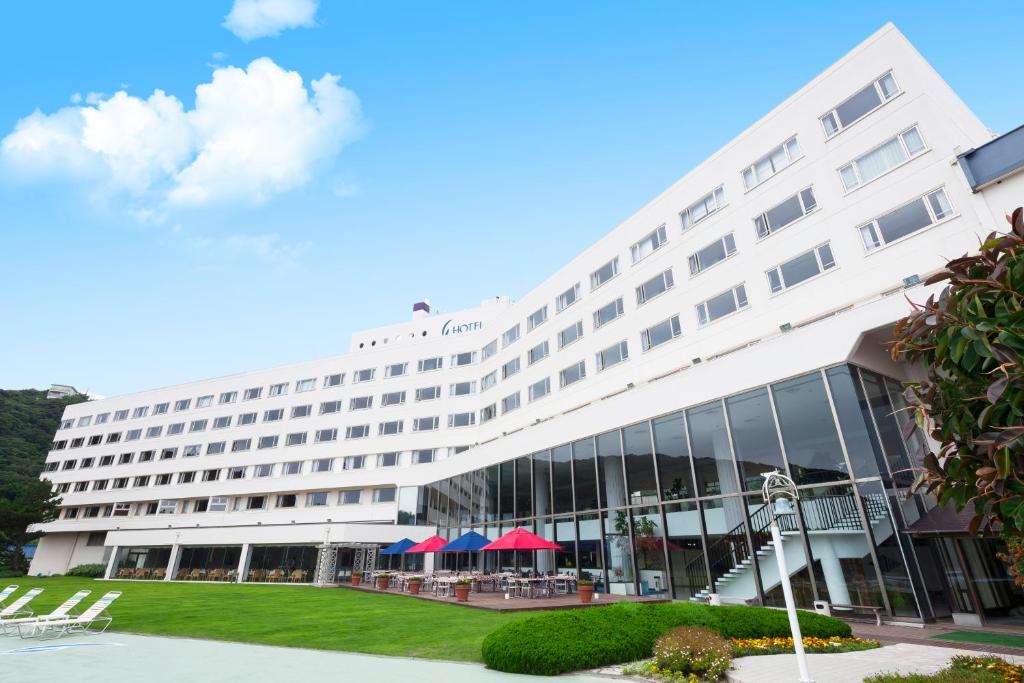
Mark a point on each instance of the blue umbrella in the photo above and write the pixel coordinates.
(467, 542)
(398, 548)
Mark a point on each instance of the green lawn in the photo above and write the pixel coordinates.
(983, 638)
(291, 616)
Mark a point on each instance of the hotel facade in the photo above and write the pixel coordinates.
(627, 406)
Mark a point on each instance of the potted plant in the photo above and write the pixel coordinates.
(462, 587)
(357, 578)
(415, 583)
(585, 586)
(383, 580)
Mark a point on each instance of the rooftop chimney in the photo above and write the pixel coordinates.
(420, 309)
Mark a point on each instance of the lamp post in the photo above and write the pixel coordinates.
(780, 495)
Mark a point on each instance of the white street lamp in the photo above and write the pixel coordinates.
(780, 495)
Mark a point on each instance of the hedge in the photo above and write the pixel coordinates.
(88, 570)
(571, 640)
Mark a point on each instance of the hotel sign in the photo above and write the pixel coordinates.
(450, 327)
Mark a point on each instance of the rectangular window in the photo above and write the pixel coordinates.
(392, 398)
(330, 407)
(350, 497)
(95, 440)
(395, 369)
(461, 388)
(572, 374)
(267, 442)
(721, 305)
(785, 212)
(539, 389)
(613, 355)
(462, 419)
(538, 352)
(353, 462)
(608, 313)
(771, 163)
(273, 415)
(167, 507)
(570, 334)
(422, 457)
(801, 268)
(216, 447)
(360, 403)
(906, 220)
(659, 284)
(67, 424)
(658, 334)
(537, 318)
(144, 456)
(101, 484)
(197, 426)
(218, 504)
(653, 241)
(316, 499)
(204, 401)
(712, 254)
(227, 397)
(153, 432)
(77, 443)
(168, 453)
(424, 424)
(489, 349)
(428, 393)
(364, 375)
(323, 465)
(263, 471)
(510, 335)
(121, 415)
(860, 104)
(429, 364)
(335, 380)
(357, 432)
(113, 437)
(186, 477)
(294, 467)
(222, 422)
(302, 411)
(510, 368)
(120, 483)
(510, 403)
(246, 419)
(278, 389)
(604, 273)
(102, 418)
(295, 439)
(464, 358)
(387, 459)
(390, 427)
(141, 482)
(567, 298)
(161, 408)
(305, 385)
(488, 380)
(882, 159)
(287, 500)
(702, 208)
(85, 421)
(191, 450)
(326, 435)
(121, 509)
(384, 495)
(140, 412)
(105, 461)
(488, 413)
(252, 394)
(256, 503)
(132, 435)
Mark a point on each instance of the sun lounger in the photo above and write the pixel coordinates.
(17, 608)
(89, 621)
(6, 593)
(8, 626)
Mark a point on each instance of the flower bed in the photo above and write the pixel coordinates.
(775, 645)
(962, 669)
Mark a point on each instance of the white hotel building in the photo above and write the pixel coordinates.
(626, 406)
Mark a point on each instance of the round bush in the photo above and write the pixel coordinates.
(693, 650)
(557, 642)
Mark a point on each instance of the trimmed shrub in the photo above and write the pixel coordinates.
(693, 650)
(93, 571)
(557, 642)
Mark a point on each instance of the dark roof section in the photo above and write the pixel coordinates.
(995, 160)
(943, 521)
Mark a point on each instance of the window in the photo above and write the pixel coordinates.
(567, 298)
(488, 413)
(323, 465)
(92, 511)
(222, 422)
(613, 355)
(52, 466)
(350, 497)
(702, 208)
(85, 421)
(428, 393)
(204, 401)
(570, 334)
(121, 509)
(141, 482)
(364, 375)
(771, 163)
(120, 415)
(537, 318)
(102, 418)
(167, 507)
(216, 448)
(389, 427)
(656, 335)
(316, 499)
(462, 419)
(721, 305)
(649, 244)
(101, 484)
(292, 468)
(429, 364)
(424, 424)
(87, 462)
(162, 480)
(256, 503)
(161, 408)
(252, 394)
(360, 403)
(801, 268)
(266, 442)
(860, 104)
(489, 349)
(335, 380)
(461, 388)
(278, 389)
(273, 415)
(353, 462)
(126, 458)
(227, 397)
(384, 495)
(120, 483)
(656, 285)
(308, 384)
(387, 459)
(537, 353)
(464, 358)
(263, 471)
(71, 513)
(105, 461)
(510, 335)
(326, 435)
(329, 407)
(357, 432)
(190, 451)
(197, 426)
(183, 404)
(572, 374)
(395, 369)
(246, 419)
(59, 445)
(393, 398)
(218, 504)
(95, 440)
(153, 432)
(604, 273)
(77, 443)
(906, 220)
(488, 380)
(422, 457)
(302, 411)
(539, 389)
(712, 254)
(69, 464)
(295, 439)
(113, 437)
(67, 424)
(882, 159)
(786, 212)
(137, 413)
(168, 453)
(286, 500)
(510, 403)
(132, 435)
(510, 368)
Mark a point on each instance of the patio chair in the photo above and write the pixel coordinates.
(159, 574)
(126, 573)
(276, 576)
(216, 575)
(17, 608)
(9, 626)
(182, 575)
(6, 593)
(93, 620)
(195, 575)
(258, 575)
(297, 576)
(143, 573)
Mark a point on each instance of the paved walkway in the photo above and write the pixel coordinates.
(924, 635)
(848, 667)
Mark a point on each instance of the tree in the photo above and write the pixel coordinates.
(970, 340)
(32, 502)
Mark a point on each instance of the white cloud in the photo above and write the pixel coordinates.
(253, 133)
(252, 19)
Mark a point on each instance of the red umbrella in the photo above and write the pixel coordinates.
(430, 545)
(521, 539)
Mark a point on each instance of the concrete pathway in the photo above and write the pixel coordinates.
(849, 667)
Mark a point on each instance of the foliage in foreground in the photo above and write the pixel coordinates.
(962, 669)
(692, 650)
(746, 647)
(93, 571)
(970, 341)
(572, 640)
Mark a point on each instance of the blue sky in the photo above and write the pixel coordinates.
(490, 144)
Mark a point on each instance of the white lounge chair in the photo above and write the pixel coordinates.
(86, 622)
(15, 609)
(8, 626)
(6, 593)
